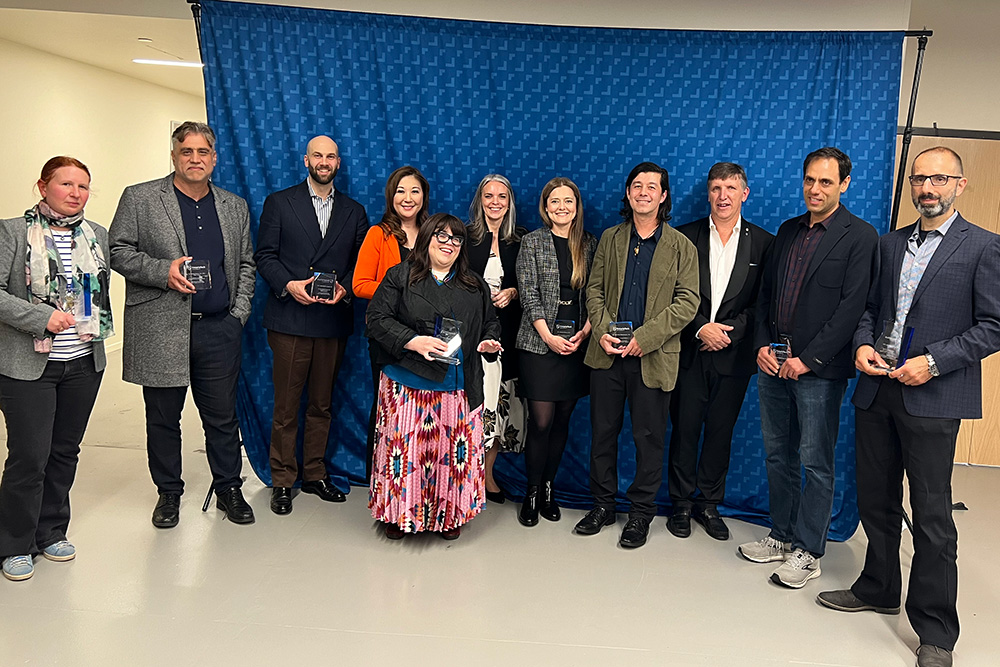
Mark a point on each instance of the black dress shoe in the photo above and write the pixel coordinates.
(712, 523)
(281, 500)
(325, 490)
(231, 502)
(549, 509)
(528, 516)
(635, 532)
(496, 497)
(394, 532)
(168, 510)
(679, 523)
(597, 518)
(452, 534)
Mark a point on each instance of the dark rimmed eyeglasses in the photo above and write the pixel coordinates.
(936, 179)
(444, 237)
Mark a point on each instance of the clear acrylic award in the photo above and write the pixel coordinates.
(324, 286)
(782, 350)
(564, 328)
(198, 272)
(449, 331)
(622, 331)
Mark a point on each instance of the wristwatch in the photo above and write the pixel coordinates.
(931, 366)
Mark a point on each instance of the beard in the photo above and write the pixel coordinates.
(322, 179)
(933, 209)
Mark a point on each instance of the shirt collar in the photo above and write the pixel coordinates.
(312, 193)
(736, 228)
(942, 230)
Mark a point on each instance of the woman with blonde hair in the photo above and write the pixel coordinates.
(552, 271)
(494, 243)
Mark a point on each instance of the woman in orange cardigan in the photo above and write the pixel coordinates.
(386, 245)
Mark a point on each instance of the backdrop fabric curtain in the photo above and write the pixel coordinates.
(460, 99)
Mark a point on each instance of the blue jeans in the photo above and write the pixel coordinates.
(799, 421)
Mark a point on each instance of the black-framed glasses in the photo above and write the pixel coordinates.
(444, 237)
(936, 179)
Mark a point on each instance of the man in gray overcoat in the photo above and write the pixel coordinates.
(166, 236)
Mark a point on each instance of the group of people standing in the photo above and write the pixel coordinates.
(483, 337)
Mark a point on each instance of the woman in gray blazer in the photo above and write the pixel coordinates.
(552, 271)
(54, 316)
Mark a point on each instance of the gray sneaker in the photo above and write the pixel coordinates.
(797, 569)
(60, 551)
(18, 568)
(765, 550)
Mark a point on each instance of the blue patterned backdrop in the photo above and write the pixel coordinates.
(459, 99)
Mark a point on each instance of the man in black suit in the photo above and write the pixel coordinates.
(812, 295)
(717, 353)
(306, 231)
(939, 277)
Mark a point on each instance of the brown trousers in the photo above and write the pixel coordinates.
(298, 360)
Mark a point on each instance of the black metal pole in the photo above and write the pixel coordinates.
(196, 12)
(921, 36)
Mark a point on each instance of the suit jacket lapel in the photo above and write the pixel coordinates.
(334, 229)
(704, 247)
(949, 244)
(173, 210)
(658, 269)
(301, 204)
(742, 266)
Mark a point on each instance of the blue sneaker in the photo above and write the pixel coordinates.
(18, 568)
(60, 551)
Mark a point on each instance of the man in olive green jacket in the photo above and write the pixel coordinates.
(644, 287)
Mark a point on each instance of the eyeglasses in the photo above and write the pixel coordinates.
(444, 237)
(936, 179)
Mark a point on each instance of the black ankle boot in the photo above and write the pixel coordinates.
(528, 516)
(549, 508)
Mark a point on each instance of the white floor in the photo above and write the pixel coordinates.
(324, 584)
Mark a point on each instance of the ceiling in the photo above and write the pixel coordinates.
(111, 41)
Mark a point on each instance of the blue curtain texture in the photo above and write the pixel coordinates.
(460, 99)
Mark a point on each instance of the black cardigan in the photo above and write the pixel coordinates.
(399, 311)
(510, 315)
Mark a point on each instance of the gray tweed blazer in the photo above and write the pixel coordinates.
(147, 234)
(20, 320)
(538, 285)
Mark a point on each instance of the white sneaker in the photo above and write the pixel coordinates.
(765, 550)
(797, 569)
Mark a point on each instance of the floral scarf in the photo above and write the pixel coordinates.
(48, 284)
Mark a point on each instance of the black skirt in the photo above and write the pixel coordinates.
(554, 377)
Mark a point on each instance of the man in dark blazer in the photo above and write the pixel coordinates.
(305, 231)
(812, 295)
(175, 335)
(937, 278)
(717, 353)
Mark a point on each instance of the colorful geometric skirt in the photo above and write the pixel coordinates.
(428, 473)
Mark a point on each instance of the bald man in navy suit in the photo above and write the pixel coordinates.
(937, 282)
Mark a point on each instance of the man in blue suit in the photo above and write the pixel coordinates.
(305, 231)
(937, 282)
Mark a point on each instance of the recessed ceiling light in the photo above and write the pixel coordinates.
(169, 63)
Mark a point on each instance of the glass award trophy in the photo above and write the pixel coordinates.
(893, 345)
(622, 331)
(564, 328)
(782, 350)
(198, 272)
(449, 331)
(324, 286)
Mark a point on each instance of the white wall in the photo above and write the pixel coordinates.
(118, 126)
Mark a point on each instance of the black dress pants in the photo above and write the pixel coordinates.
(609, 391)
(889, 441)
(46, 419)
(216, 343)
(703, 399)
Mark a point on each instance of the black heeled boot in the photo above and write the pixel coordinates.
(528, 516)
(549, 508)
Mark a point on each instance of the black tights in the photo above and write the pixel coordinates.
(545, 439)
